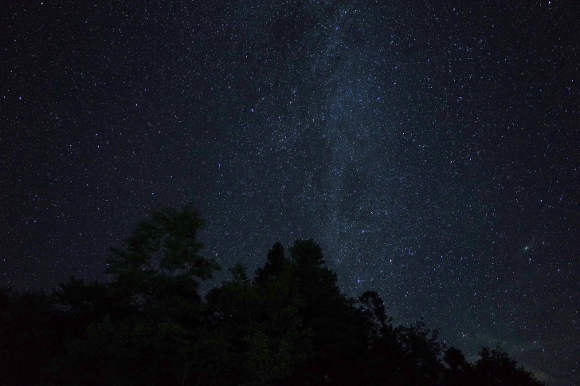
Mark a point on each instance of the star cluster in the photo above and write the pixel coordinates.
(432, 150)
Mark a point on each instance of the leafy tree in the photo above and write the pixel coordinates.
(289, 325)
(420, 352)
(262, 323)
(456, 361)
(275, 264)
(83, 303)
(337, 328)
(155, 326)
(162, 255)
(373, 307)
(495, 367)
(398, 355)
(383, 359)
(459, 372)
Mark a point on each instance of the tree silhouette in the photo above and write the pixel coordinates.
(459, 372)
(337, 328)
(156, 314)
(162, 252)
(495, 367)
(262, 321)
(288, 325)
(274, 266)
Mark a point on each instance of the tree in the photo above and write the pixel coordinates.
(459, 371)
(495, 367)
(83, 303)
(373, 307)
(289, 325)
(420, 353)
(160, 268)
(337, 328)
(275, 264)
(261, 321)
(164, 247)
(157, 324)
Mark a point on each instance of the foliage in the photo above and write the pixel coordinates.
(163, 255)
(288, 325)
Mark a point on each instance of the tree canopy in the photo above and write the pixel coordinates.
(288, 325)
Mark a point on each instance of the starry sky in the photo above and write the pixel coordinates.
(430, 147)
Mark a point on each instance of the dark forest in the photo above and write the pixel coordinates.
(289, 324)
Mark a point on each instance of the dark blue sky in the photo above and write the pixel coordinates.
(432, 150)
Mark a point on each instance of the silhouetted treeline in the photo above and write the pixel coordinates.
(288, 325)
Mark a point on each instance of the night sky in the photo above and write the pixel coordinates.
(432, 150)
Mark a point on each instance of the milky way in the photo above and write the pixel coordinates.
(431, 150)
